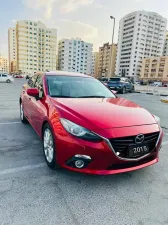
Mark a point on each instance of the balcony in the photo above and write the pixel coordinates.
(160, 74)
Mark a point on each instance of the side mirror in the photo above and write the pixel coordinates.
(34, 92)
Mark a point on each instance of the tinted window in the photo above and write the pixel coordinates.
(4, 75)
(77, 87)
(32, 80)
(114, 79)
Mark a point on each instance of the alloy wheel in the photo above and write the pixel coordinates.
(21, 112)
(48, 145)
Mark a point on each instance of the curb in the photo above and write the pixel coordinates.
(149, 93)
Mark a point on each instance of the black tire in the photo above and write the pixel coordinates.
(123, 91)
(22, 116)
(8, 81)
(132, 90)
(51, 164)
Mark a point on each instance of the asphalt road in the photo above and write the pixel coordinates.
(30, 193)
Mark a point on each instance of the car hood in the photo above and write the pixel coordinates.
(103, 112)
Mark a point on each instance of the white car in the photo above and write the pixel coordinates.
(4, 77)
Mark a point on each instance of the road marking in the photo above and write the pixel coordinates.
(23, 168)
(164, 143)
(9, 123)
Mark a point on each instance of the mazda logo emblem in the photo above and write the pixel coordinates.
(139, 138)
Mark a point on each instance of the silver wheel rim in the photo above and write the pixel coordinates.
(21, 112)
(48, 145)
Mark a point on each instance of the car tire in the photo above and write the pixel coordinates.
(8, 81)
(123, 90)
(22, 116)
(132, 90)
(49, 147)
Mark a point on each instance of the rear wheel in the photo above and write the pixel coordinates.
(132, 90)
(49, 147)
(22, 116)
(8, 81)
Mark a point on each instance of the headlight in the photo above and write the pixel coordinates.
(157, 119)
(79, 131)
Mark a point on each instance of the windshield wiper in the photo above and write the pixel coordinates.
(61, 96)
(92, 96)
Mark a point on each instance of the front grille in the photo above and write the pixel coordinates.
(127, 165)
(120, 145)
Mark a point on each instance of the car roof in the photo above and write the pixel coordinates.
(63, 73)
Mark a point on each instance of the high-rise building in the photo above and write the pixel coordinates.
(32, 46)
(165, 49)
(155, 69)
(106, 65)
(75, 55)
(95, 61)
(12, 50)
(141, 35)
(3, 64)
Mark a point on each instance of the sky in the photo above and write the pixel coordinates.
(85, 19)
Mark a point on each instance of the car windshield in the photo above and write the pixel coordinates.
(77, 87)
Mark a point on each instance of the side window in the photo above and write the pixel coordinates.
(4, 75)
(39, 85)
(31, 81)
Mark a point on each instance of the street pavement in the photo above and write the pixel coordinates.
(30, 193)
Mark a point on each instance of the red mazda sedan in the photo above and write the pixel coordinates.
(84, 127)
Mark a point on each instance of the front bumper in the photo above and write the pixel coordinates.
(103, 160)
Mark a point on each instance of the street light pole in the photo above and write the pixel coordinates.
(111, 55)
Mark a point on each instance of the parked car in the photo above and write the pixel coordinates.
(84, 127)
(121, 85)
(137, 83)
(6, 78)
(18, 76)
(103, 80)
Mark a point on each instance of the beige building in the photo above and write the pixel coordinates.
(106, 64)
(12, 50)
(32, 47)
(3, 64)
(95, 61)
(155, 69)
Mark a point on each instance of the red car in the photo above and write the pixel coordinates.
(18, 76)
(84, 127)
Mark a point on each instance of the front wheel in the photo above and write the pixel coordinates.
(8, 81)
(123, 90)
(132, 90)
(49, 147)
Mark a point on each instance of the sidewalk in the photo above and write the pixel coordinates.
(161, 91)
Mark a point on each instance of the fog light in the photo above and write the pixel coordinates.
(79, 163)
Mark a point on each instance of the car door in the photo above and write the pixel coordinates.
(4, 77)
(128, 85)
(26, 99)
(38, 108)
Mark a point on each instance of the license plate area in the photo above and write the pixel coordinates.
(138, 150)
